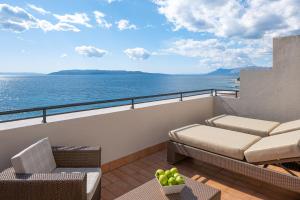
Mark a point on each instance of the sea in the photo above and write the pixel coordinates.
(21, 92)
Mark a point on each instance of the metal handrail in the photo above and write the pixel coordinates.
(44, 109)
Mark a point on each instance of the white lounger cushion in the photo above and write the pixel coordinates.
(211, 121)
(261, 128)
(277, 147)
(37, 158)
(286, 127)
(224, 142)
(93, 178)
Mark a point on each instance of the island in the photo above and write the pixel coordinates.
(96, 72)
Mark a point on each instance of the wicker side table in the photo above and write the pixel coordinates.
(193, 190)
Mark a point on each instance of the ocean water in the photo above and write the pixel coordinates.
(19, 92)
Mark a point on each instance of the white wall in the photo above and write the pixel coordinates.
(272, 94)
(119, 133)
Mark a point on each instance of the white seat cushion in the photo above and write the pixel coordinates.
(276, 147)
(224, 142)
(286, 127)
(93, 178)
(37, 158)
(210, 121)
(257, 127)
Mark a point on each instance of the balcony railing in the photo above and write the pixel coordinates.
(45, 111)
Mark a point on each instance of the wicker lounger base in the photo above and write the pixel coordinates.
(178, 151)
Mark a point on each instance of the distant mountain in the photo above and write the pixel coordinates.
(95, 72)
(233, 72)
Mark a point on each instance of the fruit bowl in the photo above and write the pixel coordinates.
(171, 189)
(170, 181)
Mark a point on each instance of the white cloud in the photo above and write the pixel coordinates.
(137, 53)
(216, 53)
(65, 27)
(37, 9)
(76, 18)
(124, 24)
(60, 26)
(17, 20)
(99, 16)
(64, 55)
(232, 18)
(14, 26)
(149, 26)
(90, 51)
(111, 1)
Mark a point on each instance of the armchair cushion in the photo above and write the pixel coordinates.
(37, 158)
(93, 177)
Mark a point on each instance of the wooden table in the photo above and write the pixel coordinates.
(194, 190)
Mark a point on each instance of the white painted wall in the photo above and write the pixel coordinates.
(272, 94)
(119, 133)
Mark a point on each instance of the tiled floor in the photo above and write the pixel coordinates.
(232, 186)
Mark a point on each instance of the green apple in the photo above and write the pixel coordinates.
(174, 170)
(163, 179)
(172, 181)
(168, 173)
(176, 174)
(179, 180)
(159, 172)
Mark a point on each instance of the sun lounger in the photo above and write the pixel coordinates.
(225, 142)
(257, 127)
(286, 127)
(239, 152)
(274, 149)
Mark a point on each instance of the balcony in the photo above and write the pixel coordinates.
(133, 136)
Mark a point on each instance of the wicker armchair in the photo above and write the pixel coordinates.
(54, 186)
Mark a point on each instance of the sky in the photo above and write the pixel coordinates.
(163, 36)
